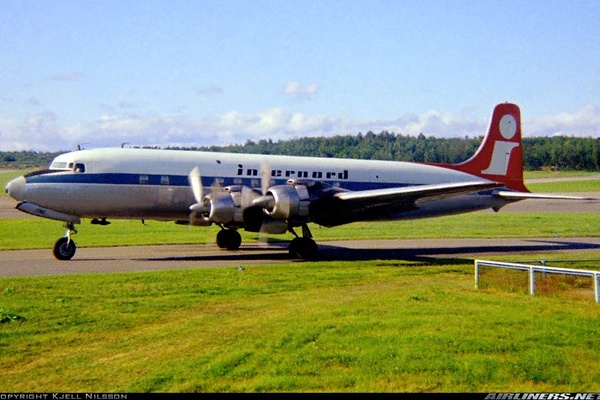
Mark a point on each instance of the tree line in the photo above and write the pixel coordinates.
(561, 152)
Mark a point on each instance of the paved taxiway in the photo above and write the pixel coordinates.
(145, 258)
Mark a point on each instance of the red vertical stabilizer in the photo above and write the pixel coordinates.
(500, 156)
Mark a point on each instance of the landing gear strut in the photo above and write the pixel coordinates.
(64, 248)
(303, 247)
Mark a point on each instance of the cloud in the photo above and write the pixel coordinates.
(68, 77)
(40, 133)
(209, 91)
(297, 91)
(44, 133)
(33, 101)
(583, 122)
(124, 104)
(441, 124)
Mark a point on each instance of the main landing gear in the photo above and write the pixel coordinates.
(65, 248)
(300, 247)
(303, 247)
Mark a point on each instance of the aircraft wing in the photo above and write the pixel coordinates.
(344, 207)
(414, 194)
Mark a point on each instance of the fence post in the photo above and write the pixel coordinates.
(597, 286)
(531, 281)
(476, 275)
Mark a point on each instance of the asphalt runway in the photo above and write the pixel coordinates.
(146, 258)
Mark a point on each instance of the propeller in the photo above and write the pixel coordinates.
(196, 183)
(199, 207)
(265, 176)
(250, 197)
(265, 200)
(253, 202)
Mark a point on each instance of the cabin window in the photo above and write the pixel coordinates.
(79, 168)
(164, 180)
(144, 179)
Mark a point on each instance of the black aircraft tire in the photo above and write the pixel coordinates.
(64, 249)
(234, 240)
(309, 250)
(229, 239)
(304, 248)
(222, 238)
(294, 246)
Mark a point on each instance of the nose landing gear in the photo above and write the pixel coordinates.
(65, 248)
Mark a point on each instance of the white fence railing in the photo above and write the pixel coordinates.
(532, 269)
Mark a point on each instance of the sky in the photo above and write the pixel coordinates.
(202, 72)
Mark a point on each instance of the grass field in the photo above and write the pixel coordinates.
(366, 326)
(360, 326)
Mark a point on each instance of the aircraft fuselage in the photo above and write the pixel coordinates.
(154, 184)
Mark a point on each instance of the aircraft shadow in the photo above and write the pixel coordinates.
(337, 253)
(332, 253)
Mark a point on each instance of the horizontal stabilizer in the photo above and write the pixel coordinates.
(510, 195)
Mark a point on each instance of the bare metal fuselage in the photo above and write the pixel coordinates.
(153, 184)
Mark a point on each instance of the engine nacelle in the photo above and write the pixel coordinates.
(273, 226)
(222, 207)
(288, 201)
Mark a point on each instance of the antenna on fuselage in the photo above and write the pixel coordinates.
(80, 146)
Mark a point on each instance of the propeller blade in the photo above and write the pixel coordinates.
(199, 207)
(196, 184)
(265, 175)
(248, 196)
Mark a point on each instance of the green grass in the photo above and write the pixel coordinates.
(8, 175)
(592, 185)
(558, 174)
(340, 326)
(567, 181)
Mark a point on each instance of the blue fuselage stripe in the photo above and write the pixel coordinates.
(180, 181)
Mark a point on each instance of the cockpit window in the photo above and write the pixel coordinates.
(59, 165)
(68, 166)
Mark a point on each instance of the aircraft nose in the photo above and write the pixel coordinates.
(16, 188)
